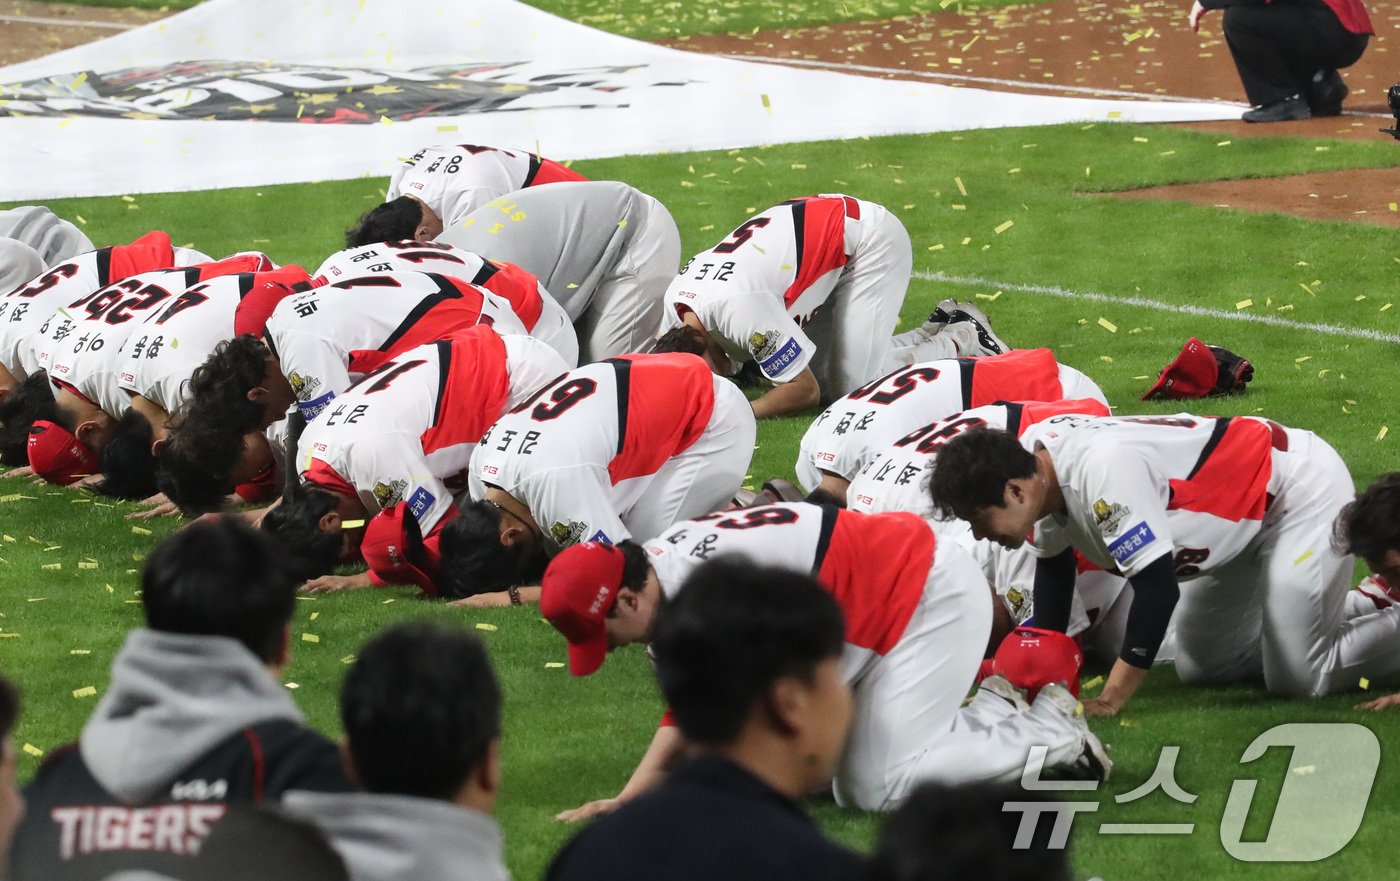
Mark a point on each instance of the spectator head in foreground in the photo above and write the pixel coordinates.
(422, 714)
(11, 802)
(258, 843)
(954, 832)
(749, 659)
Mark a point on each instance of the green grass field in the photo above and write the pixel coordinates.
(68, 563)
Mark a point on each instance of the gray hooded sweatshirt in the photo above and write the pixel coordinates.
(172, 699)
(402, 838)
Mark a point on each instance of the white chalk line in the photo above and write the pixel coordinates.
(994, 81)
(67, 23)
(1358, 333)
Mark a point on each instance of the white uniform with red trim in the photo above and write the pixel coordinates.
(541, 314)
(1245, 508)
(845, 436)
(620, 449)
(24, 310)
(456, 179)
(814, 282)
(606, 251)
(918, 615)
(325, 335)
(406, 431)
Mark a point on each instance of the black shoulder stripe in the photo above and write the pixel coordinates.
(444, 350)
(1216, 434)
(829, 515)
(534, 170)
(799, 228)
(1014, 414)
(965, 368)
(623, 371)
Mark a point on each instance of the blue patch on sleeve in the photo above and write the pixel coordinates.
(602, 536)
(1137, 537)
(777, 362)
(420, 502)
(311, 409)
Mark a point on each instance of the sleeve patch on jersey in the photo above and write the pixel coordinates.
(1135, 539)
(778, 362)
(312, 408)
(420, 502)
(601, 536)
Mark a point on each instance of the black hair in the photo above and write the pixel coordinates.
(295, 526)
(636, 565)
(420, 707)
(255, 842)
(971, 471)
(820, 496)
(219, 387)
(732, 632)
(220, 577)
(26, 404)
(128, 468)
(9, 707)
(473, 558)
(1369, 525)
(193, 469)
(950, 833)
(682, 338)
(394, 221)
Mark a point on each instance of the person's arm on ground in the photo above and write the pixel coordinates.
(665, 749)
(1155, 593)
(800, 393)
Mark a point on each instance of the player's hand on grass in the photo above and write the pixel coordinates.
(166, 508)
(333, 583)
(1381, 703)
(1100, 707)
(21, 471)
(592, 809)
(1197, 11)
(484, 600)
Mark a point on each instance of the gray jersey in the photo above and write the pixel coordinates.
(54, 238)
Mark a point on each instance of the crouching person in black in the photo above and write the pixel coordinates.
(195, 719)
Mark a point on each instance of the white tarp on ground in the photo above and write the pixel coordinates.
(252, 92)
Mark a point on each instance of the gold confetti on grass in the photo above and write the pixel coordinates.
(80, 651)
(1108, 325)
(938, 247)
(33, 750)
(1001, 228)
(9, 539)
(140, 530)
(489, 628)
(1129, 723)
(553, 665)
(1091, 684)
(387, 602)
(83, 564)
(1380, 435)
(1223, 143)
(86, 691)
(961, 189)
(315, 615)
(1244, 304)
(52, 567)
(291, 685)
(347, 660)
(310, 637)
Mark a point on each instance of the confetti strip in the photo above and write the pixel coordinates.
(553, 665)
(80, 651)
(140, 530)
(351, 524)
(489, 628)
(1005, 226)
(1108, 325)
(1364, 683)
(33, 750)
(1303, 557)
(52, 567)
(1380, 435)
(1305, 769)
(291, 685)
(1129, 723)
(315, 615)
(310, 637)
(347, 660)
(767, 104)
(87, 691)
(1091, 684)
(387, 602)
(961, 189)
(1244, 304)
(85, 565)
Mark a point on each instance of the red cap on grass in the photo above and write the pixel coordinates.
(57, 455)
(396, 551)
(1031, 658)
(1192, 374)
(579, 589)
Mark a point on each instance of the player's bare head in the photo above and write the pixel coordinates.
(682, 338)
(264, 843)
(195, 465)
(432, 687)
(32, 401)
(477, 558)
(397, 220)
(736, 641)
(300, 528)
(221, 577)
(224, 390)
(963, 831)
(971, 472)
(1369, 526)
(128, 468)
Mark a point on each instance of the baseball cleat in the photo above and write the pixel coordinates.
(746, 498)
(1094, 762)
(966, 312)
(776, 489)
(1000, 686)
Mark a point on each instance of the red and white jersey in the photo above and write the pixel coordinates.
(406, 431)
(1142, 487)
(24, 310)
(845, 436)
(895, 476)
(541, 314)
(876, 566)
(756, 289)
(456, 179)
(563, 451)
(1011, 573)
(162, 353)
(324, 335)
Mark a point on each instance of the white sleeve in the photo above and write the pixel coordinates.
(758, 324)
(315, 368)
(573, 504)
(1127, 502)
(389, 468)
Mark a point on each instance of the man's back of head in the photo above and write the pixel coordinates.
(220, 577)
(422, 714)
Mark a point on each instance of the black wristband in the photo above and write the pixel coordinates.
(514, 595)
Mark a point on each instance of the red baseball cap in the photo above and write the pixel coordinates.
(578, 590)
(396, 551)
(1032, 658)
(57, 455)
(1192, 374)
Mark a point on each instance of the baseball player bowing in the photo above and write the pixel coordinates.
(608, 451)
(918, 615)
(439, 185)
(810, 290)
(403, 434)
(1226, 522)
(843, 438)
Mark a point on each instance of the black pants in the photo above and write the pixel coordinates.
(1278, 47)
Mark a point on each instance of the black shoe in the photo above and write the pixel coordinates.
(1326, 93)
(1293, 107)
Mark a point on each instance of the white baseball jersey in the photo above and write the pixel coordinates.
(845, 436)
(24, 310)
(456, 179)
(324, 335)
(754, 290)
(564, 451)
(406, 431)
(1140, 488)
(541, 314)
